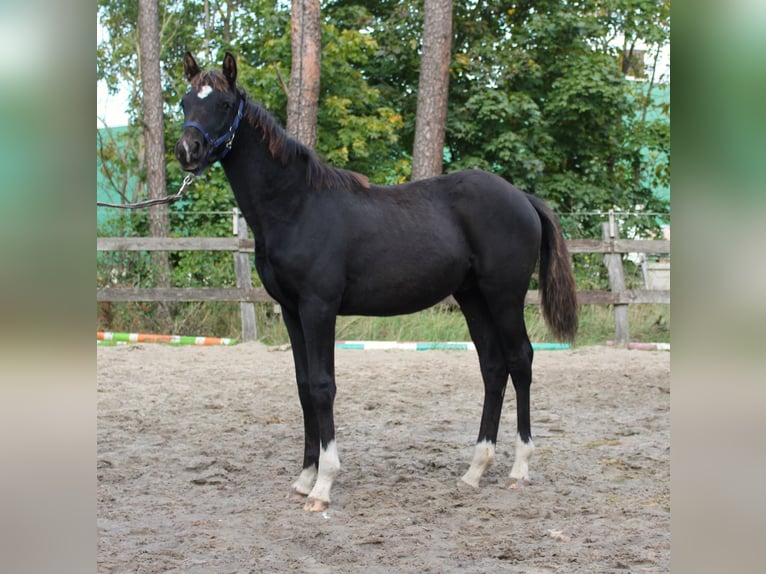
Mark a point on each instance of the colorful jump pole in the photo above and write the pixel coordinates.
(115, 338)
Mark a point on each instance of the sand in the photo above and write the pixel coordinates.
(198, 446)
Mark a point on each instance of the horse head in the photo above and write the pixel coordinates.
(212, 109)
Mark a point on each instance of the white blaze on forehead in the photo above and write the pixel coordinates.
(204, 92)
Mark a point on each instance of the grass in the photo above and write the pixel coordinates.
(648, 323)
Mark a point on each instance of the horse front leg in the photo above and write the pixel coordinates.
(305, 482)
(318, 322)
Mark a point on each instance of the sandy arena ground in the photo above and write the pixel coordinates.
(198, 447)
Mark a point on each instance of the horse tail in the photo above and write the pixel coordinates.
(558, 295)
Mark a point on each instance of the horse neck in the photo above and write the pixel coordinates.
(266, 191)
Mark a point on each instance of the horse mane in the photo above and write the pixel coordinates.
(285, 148)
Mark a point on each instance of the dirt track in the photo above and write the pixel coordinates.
(197, 449)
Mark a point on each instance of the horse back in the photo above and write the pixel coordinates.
(415, 244)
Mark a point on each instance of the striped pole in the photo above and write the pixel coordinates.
(105, 337)
(643, 346)
(426, 346)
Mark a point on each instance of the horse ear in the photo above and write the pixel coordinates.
(230, 69)
(191, 68)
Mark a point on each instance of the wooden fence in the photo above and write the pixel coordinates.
(611, 246)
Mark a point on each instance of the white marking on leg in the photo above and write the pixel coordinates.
(204, 92)
(483, 455)
(520, 469)
(329, 465)
(305, 480)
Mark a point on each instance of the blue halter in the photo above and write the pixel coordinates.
(226, 140)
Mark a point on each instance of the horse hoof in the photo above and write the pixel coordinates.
(517, 483)
(296, 495)
(314, 505)
(464, 484)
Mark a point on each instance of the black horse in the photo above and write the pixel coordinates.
(329, 243)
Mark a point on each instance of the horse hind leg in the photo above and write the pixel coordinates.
(518, 356)
(506, 313)
(495, 376)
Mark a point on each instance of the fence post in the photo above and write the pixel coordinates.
(613, 262)
(244, 280)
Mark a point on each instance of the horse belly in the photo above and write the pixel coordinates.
(397, 286)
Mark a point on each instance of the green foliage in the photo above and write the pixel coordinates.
(198, 318)
(648, 323)
(357, 129)
(539, 98)
(536, 95)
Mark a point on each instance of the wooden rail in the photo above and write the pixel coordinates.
(612, 247)
(248, 245)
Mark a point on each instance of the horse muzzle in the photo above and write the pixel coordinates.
(191, 150)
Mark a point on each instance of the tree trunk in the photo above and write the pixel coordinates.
(230, 7)
(303, 95)
(154, 134)
(433, 89)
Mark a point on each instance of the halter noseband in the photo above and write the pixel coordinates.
(225, 140)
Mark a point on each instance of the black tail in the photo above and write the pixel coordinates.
(558, 295)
